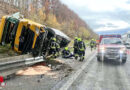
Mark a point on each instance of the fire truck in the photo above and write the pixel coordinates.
(111, 47)
(109, 36)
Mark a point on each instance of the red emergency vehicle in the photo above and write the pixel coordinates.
(108, 36)
(111, 47)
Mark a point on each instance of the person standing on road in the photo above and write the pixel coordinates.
(75, 46)
(81, 49)
(92, 44)
(95, 43)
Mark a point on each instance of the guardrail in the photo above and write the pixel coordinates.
(18, 63)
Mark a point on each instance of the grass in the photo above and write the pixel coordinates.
(6, 49)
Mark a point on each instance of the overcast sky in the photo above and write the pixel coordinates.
(103, 16)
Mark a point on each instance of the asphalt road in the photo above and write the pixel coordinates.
(107, 75)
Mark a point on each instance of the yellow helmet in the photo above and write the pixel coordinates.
(76, 37)
(79, 39)
(54, 39)
(66, 48)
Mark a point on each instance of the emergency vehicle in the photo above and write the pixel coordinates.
(111, 47)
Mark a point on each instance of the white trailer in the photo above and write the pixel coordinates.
(126, 39)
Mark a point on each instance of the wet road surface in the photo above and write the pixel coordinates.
(107, 75)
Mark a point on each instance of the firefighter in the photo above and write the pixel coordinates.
(75, 46)
(52, 50)
(81, 49)
(95, 43)
(57, 49)
(66, 53)
(92, 44)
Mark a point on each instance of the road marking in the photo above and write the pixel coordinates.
(74, 76)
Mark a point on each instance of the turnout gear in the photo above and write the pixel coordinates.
(53, 46)
(54, 39)
(92, 44)
(75, 47)
(66, 53)
(81, 49)
(58, 49)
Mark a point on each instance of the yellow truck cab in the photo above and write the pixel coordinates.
(29, 37)
(8, 28)
(23, 34)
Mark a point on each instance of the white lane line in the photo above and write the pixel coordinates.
(76, 74)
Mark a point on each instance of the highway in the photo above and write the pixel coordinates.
(107, 75)
(92, 75)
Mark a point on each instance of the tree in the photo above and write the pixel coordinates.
(52, 21)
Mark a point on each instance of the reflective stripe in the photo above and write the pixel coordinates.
(76, 54)
(82, 49)
(53, 47)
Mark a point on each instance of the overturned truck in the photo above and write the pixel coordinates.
(61, 38)
(26, 36)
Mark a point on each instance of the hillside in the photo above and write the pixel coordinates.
(51, 13)
(6, 9)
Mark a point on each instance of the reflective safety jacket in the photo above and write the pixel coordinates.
(66, 52)
(92, 43)
(57, 45)
(81, 46)
(75, 43)
(53, 45)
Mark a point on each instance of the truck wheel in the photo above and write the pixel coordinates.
(124, 61)
(98, 59)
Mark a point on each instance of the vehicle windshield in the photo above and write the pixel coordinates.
(111, 41)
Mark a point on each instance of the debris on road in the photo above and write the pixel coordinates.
(35, 70)
(43, 68)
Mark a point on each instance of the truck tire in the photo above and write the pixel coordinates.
(98, 59)
(124, 61)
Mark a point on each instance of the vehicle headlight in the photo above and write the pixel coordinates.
(122, 50)
(102, 49)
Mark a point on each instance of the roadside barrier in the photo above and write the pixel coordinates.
(18, 63)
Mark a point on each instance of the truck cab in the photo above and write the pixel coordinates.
(24, 35)
(111, 48)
